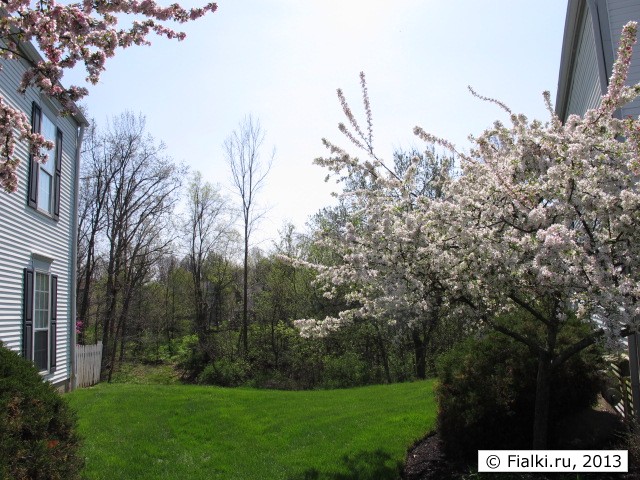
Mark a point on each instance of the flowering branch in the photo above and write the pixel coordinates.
(85, 33)
(540, 212)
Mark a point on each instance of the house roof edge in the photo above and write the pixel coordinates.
(575, 8)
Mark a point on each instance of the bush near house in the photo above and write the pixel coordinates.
(487, 389)
(38, 438)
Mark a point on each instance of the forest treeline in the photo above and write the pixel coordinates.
(161, 278)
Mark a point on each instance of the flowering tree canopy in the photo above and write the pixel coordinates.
(543, 220)
(551, 209)
(546, 217)
(386, 262)
(68, 34)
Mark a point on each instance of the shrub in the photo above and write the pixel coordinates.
(631, 442)
(190, 359)
(487, 391)
(274, 380)
(304, 361)
(346, 370)
(38, 436)
(225, 373)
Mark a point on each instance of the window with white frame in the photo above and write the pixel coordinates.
(41, 320)
(40, 316)
(44, 178)
(46, 171)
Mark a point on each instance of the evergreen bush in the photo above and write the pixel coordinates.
(486, 393)
(38, 438)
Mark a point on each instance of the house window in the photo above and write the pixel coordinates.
(40, 317)
(42, 320)
(46, 171)
(44, 179)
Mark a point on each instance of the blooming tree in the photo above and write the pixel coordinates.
(543, 220)
(386, 255)
(68, 34)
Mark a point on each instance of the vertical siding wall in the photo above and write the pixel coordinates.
(24, 231)
(585, 91)
(621, 12)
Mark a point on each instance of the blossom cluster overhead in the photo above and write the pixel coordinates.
(540, 217)
(68, 34)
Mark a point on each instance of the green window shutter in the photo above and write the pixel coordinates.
(27, 315)
(53, 326)
(36, 119)
(57, 175)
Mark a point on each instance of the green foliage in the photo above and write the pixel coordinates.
(225, 372)
(145, 374)
(38, 438)
(178, 432)
(344, 371)
(161, 327)
(304, 360)
(631, 442)
(282, 359)
(487, 393)
(190, 359)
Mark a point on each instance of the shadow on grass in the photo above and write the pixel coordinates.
(377, 465)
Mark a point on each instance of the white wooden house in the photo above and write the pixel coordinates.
(591, 36)
(38, 231)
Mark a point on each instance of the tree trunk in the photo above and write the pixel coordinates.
(199, 300)
(245, 293)
(109, 341)
(276, 350)
(421, 342)
(112, 355)
(84, 303)
(123, 342)
(420, 352)
(543, 396)
(383, 354)
(274, 342)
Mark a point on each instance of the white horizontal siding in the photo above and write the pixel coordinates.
(585, 91)
(24, 231)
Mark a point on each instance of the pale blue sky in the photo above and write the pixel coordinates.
(282, 60)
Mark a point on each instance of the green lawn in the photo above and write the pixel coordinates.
(190, 432)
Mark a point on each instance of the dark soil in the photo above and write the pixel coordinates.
(426, 461)
(597, 428)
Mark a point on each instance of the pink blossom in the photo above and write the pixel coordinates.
(541, 212)
(69, 34)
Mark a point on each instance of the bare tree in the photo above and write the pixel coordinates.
(208, 228)
(139, 191)
(90, 223)
(94, 183)
(248, 174)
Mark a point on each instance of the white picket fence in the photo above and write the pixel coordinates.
(621, 383)
(88, 361)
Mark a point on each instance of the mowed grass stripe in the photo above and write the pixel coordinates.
(191, 432)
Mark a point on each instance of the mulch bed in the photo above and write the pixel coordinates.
(592, 429)
(426, 461)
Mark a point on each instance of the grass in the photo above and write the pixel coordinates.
(141, 374)
(191, 432)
